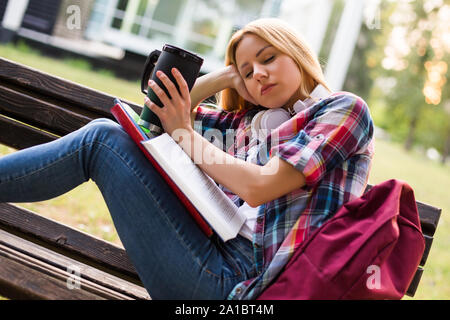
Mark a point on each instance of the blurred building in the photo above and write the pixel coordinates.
(124, 32)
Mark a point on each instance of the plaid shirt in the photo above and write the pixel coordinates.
(330, 142)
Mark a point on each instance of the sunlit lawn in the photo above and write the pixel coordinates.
(431, 184)
(85, 209)
(75, 70)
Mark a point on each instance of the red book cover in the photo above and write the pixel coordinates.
(128, 123)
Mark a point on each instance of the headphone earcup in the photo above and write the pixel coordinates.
(265, 121)
(256, 124)
(273, 118)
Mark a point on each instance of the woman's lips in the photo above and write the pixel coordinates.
(266, 89)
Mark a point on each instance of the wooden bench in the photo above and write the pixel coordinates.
(40, 258)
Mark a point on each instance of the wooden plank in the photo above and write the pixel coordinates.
(49, 273)
(19, 136)
(20, 282)
(33, 110)
(68, 241)
(55, 87)
(429, 217)
(93, 279)
(415, 283)
(426, 252)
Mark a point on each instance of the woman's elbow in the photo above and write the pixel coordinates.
(265, 188)
(254, 202)
(250, 198)
(256, 195)
(251, 194)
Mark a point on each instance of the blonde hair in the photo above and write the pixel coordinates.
(285, 39)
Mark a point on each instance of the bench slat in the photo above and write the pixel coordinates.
(55, 87)
(19, 136)
(68, 241)
(429, 217)
(414, 283)
(19, 281)
(33, 110)
(426, 252)
(57, 269)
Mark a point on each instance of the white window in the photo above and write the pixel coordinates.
(201, 26)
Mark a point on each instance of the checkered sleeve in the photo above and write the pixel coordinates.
(211, 117)
(338, 129)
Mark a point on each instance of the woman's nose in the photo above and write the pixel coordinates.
(259, 72)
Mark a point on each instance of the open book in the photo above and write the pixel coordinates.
(196, 190)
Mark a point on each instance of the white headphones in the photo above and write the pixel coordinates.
(270, 119)
(266, 120)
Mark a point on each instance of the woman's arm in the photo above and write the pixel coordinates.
(208, 85)
(216, 81)
(252, 183)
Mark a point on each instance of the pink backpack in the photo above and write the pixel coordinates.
(370, 249)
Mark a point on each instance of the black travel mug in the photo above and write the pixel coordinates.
(187, 63)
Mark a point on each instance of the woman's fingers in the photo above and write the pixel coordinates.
(153, 107)
(160, 93)
(182, 84)
(170, 86)
(176, 111)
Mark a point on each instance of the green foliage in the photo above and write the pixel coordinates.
(22, 47)
(80, 64)
(394, 90)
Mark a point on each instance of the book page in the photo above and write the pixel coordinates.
(211, 202)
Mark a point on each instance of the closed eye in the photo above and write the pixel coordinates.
(269, 59)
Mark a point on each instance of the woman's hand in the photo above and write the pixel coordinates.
(237, 83)
(176, 112)
(216, 81)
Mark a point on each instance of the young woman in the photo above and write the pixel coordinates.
(298, 152)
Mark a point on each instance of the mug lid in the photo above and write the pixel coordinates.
(183, 53)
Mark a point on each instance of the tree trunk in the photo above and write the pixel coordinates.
(412, 132)
(446, 151)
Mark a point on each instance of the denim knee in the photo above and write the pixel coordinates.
(102, 129)
(102, 121)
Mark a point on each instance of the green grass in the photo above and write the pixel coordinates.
(431, 184)
(85, 209)
(75, 70)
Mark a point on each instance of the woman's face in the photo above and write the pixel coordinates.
(271, 77)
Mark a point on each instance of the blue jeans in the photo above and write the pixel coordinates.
(172, 256)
